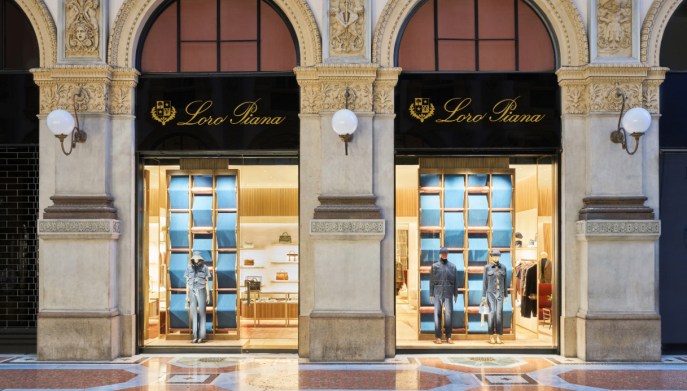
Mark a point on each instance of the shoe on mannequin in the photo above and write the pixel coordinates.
(492, 339)
(498, 339)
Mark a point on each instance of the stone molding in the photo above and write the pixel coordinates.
(78, 229)
(592, 88)
(615, 208)
(133, 15)
(347, 227)
(654, 25)
(584, 314)
(618, 228)
(44, 27)
(347, 207)
(323, 87)
(101, 88)
(562, 15)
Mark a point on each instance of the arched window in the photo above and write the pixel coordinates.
(673, 53)
(475, 35)
(218, 36)
(18, 43)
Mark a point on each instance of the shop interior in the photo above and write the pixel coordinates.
(243, 219)
(472, 206)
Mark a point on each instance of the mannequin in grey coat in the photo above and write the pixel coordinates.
(493, 294)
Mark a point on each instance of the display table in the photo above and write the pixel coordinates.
(271, 306)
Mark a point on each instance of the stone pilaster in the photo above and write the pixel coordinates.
(81, 257)
(345, 307)
(609, 212)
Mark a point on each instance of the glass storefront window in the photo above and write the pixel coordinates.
(473, 206)
(243, 220)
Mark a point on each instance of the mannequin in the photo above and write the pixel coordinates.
(197, 294)
(493, 295)
(443, 288)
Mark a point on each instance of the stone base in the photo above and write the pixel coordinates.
(622, 338)
(74, 338)
(347, 336)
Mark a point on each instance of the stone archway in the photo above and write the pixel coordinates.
(133, 14)
(44, 27)
(563, 16)
(653, 27)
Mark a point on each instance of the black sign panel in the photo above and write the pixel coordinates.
(478, 112)
(216, 113)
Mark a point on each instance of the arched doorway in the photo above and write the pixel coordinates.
(478, 140)
(673, 159)
(217, 136)
(19, 183)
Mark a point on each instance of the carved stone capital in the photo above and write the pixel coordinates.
(100, 88)
(593, 88)
(323, 88)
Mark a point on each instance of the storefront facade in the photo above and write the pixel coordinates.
(603, 204)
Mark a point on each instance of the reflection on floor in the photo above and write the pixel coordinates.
(267, 335)
(253, 372)
(407, 335)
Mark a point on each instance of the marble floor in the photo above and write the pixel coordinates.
(248, 372)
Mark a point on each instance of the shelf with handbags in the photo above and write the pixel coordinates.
(470, 213)
(203, 217)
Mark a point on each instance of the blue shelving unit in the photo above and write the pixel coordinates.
(470, 213)
(203, 216)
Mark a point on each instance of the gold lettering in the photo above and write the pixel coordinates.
(243, 115)
(195, 110)
(504, 112)
(453, 106)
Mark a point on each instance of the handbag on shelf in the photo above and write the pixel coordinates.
(292, 257)
(252, 283)
(282, 276)
(285, 238)
(248, 262)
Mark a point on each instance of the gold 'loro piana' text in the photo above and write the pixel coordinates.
(244, 113)
(504, 111)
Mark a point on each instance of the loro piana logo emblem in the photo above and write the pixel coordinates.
(163, 111)
(421, 109)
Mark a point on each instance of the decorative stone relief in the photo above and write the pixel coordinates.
(614, 18)
(609, 228)
(347, 28)
(576, 99)
(604, 96)
(82, 28)
(311, 98)
(347, 227)
(78, 226)
(87, 97)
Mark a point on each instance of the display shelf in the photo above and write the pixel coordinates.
(252, 267)
(285, 262)
(284, 281)
(469, 213)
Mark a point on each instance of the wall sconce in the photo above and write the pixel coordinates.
(61, 123)
(636, 121)
(345, 122)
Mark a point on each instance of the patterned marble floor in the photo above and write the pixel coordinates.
(250, 372)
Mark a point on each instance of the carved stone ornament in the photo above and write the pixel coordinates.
(323, 88)
(347, 28)
(576, 99)
(615, 228)
(614, 18)
(82, 28)
(365, 226)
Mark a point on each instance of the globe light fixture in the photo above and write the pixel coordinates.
(62, 124)
(344, 123)
(636, 122)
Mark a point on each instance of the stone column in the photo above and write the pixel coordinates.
(346, 288)
(78, 315)
(610, 287)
